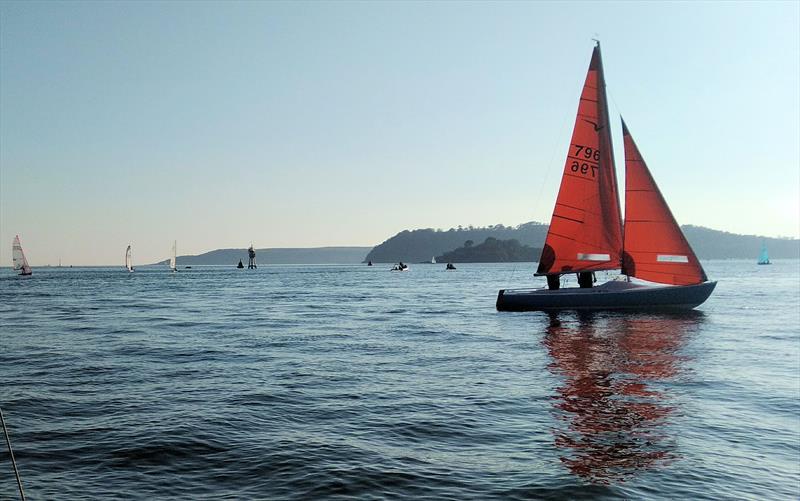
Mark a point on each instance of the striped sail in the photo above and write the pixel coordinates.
(18, 257)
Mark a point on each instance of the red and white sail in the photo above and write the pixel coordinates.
(655, 248)
(18, 257)
(586, 228)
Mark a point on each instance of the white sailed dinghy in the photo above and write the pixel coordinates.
(174, 257)
(128, 260)
(18, 258)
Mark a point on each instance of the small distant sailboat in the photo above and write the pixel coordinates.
(174, 257)
(128, 260)
(18, 258)
(433, 260)
(763, 258)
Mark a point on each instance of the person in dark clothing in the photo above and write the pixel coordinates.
(553, 282)
(586, 279)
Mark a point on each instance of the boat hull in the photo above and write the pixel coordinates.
(613, 295)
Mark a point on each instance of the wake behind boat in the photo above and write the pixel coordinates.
(586, 232)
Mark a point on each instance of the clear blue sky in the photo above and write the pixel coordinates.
(328, 123)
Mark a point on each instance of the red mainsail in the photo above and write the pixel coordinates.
(586, 230)
(655, 248)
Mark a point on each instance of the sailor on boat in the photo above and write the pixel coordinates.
(586, 279)
(450, 266)
(400, 267)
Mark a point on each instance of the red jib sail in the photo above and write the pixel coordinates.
(586, 229)
(655, 248)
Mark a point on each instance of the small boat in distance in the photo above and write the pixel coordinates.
(173, 259)
(400, 267)
(450, 267)
(763, 258)
(18, 258)
(433, 260)
(128, 260)
(586, 231)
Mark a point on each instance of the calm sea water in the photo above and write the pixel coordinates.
(353, 382)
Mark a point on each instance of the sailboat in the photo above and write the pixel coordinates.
(18, 258)
(763, 258)
(128, 259)
(433, 260)
(174, 257)
(586, 232)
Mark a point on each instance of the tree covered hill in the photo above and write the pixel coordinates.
(491, 250)
(420, 245)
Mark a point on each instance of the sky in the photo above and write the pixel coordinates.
(304, 124)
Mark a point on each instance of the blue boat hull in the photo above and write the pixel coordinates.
(615, 295)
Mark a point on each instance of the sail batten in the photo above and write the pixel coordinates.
(655, 248)
(586, 218)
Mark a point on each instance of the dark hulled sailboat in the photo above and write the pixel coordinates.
(586, 232)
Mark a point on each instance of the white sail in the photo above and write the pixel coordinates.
(433, 260)
(128, 259)
(174, 256)
(18, 257)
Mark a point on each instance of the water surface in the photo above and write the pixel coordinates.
(292, 382)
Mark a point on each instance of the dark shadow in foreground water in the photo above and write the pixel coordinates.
(614, 404)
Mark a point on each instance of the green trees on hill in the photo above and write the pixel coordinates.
(491, 250)
(420, 245)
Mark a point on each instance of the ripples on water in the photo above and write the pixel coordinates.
(325, 381)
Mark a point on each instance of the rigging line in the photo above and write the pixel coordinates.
(11, 453)
(556, 147)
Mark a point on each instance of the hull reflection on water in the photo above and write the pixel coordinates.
(613, 419)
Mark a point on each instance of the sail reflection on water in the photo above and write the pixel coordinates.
(614, 407)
